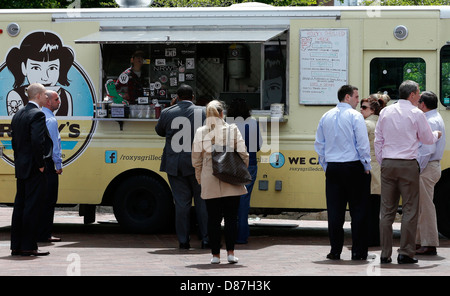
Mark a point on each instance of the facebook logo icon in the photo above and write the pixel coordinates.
(111, 156)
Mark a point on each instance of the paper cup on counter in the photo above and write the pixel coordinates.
(276, 110)
(101, 109)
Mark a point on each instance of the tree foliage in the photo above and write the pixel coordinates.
(405, 2)
(223, 3)
(8, 4)
(192, 3)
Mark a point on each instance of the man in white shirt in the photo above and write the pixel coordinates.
(343, 147)
(427, 237)
(53, 168)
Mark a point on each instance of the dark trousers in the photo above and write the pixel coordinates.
(26, 212)
(373, 215)
(226, 208)
(347, 183)
(184, 188)
(244, 207)
(49, 203)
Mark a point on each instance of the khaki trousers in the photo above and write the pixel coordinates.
(399, 178)
(427, 233)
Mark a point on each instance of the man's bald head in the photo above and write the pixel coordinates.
(36, 93)
(53, 101)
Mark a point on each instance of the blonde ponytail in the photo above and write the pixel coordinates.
(214, 112)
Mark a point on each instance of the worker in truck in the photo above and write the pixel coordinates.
(130, 82)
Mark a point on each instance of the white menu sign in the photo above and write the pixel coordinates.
(323, 65)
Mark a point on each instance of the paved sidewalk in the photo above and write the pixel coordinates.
(276, 248)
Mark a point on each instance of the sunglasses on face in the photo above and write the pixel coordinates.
(364, 107)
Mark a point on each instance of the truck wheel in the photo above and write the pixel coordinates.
(143, 204)
(442, 203)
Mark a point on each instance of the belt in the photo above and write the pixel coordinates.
(346, 162)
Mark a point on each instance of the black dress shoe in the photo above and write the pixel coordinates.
(34, 253)
(403, 259)
(334, 256)
(185, 246)
(15, 252)
(51, 239)
(356, 256)
(205, 245)
(385, 260)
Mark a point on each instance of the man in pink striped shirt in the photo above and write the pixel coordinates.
(399, 130)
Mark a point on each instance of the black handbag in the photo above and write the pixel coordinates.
(228, 165)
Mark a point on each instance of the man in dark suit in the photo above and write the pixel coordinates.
(32, 146)
(178, 124)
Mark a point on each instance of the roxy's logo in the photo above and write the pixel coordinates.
(42, 57)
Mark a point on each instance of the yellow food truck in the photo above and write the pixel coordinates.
(286, 62)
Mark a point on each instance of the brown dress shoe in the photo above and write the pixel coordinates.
(426, 251)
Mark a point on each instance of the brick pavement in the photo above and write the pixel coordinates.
(293, 248)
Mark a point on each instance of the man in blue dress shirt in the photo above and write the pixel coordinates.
(53, 168)
(342, 145)
(427, 237)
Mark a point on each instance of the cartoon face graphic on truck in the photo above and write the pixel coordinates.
(42, 57)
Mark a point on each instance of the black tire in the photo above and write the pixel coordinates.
(442, 203)
(143, 204)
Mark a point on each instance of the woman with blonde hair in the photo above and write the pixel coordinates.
(222, 199)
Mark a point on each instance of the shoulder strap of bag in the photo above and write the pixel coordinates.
(228, 136)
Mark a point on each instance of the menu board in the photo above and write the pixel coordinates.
(171, 66)
(323, 65)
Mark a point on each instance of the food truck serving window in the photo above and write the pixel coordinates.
(253, 70)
